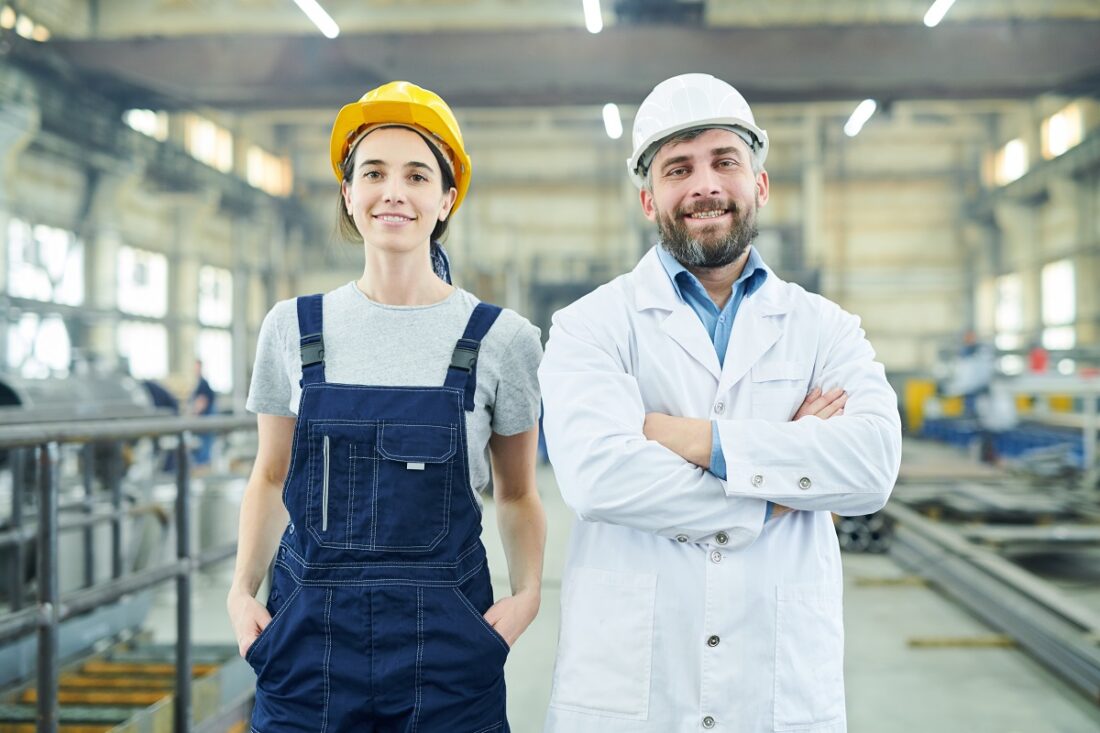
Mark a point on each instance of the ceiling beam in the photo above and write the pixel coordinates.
(552, 67)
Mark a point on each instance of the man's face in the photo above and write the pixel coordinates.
(705, 197)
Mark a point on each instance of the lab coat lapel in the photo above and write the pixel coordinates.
(756, 328)
(685, 328)
(653, 290)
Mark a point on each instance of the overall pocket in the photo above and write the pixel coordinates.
(340, 486)
(416, 470)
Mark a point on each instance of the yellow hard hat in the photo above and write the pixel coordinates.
(402, 103)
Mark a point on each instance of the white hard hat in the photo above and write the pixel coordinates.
(685, 102)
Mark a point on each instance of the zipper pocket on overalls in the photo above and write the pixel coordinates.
(324, 486)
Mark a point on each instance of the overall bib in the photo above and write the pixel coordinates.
(380, 579)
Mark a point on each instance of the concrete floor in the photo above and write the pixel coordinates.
(891, 687)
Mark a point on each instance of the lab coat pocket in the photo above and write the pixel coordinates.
(778, 388)
(605, 649)
(809, 657)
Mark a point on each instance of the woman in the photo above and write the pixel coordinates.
(381, 615)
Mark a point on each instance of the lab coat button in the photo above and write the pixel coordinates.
(720, 407)
(708, 722)
(721, 538)
(712, 641)
(805, 483)
(757, 480)
(716, 556)
(681, 538)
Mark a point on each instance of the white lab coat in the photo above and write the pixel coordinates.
(681, 609)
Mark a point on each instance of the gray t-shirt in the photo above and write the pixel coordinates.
(385, 345)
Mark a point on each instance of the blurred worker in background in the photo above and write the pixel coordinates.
(202, 402)
(381, 614)
(703, 418)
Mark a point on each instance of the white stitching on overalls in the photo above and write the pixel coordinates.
(419, 655)
(328, 656)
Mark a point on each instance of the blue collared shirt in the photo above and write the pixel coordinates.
(717, 322)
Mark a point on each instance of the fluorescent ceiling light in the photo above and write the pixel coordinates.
(320, 18)
(859, 117)
(936, 12)
(593, 19)
(612, 122)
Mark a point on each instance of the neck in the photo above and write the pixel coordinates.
(718, 281)
(401, 278)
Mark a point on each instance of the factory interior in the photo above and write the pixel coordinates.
(934, 170)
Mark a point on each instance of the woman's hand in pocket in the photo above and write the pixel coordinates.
(248, 616)
(511, 616)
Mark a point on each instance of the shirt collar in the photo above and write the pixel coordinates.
(753, 276)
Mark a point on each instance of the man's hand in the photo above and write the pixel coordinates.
(821, 405)
(824, 406)
(687, 437)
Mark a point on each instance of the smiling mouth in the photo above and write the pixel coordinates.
(393, 218)
(706, 215)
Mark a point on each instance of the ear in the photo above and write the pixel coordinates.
(762, 187)
(346, 193)
(448, 204)
(649, 206)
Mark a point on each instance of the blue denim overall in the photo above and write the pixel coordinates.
(380, 579)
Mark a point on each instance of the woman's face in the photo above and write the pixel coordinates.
(395, 193)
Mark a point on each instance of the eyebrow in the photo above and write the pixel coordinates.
(410, 164)
(715, 152)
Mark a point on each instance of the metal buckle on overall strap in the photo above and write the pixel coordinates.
(465, 355)
(314, 351)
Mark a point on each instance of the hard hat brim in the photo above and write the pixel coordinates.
(760, 153)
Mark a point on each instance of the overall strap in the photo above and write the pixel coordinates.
(310, 323)
(462, 372)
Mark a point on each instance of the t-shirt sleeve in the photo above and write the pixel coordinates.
(270, 390)
(518, 400)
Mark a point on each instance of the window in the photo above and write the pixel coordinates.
(45, 263)
(208, 142)
(1059, 305)
(215, 346)
(148, 122)
(1062, 130)
(145, 347)
(269, 172)
(1008, 317)
(215, 296)
(1010, 162)
(39, 346)
(142, 282)
(215, 350)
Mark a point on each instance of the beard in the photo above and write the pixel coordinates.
(711, 247)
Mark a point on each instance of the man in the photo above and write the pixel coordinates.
(202, 402)
(688, 429)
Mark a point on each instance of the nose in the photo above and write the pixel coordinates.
(394, 191)
(705, 182)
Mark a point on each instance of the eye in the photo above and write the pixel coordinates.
(676, 172)
(372, 175)
(419, 177)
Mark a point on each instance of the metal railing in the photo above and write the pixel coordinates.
(42, 443)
